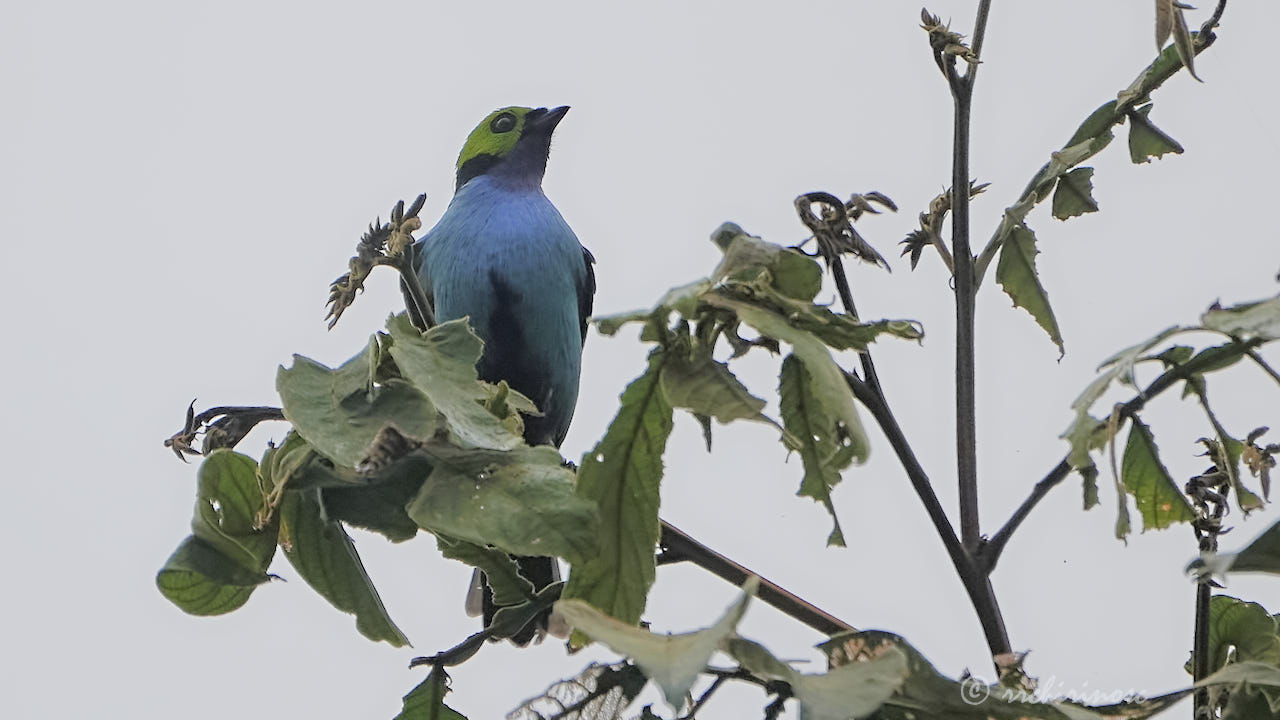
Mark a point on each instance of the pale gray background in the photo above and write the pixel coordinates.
(181, 181)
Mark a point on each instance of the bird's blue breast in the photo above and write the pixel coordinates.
(507, 259)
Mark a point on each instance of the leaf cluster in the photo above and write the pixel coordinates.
(399, 438)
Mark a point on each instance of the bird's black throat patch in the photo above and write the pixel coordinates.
(475, 167)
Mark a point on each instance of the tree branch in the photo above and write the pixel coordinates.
(974, 580)
(1165, 66)
(966, 400)
(992, 549)
(674, 541)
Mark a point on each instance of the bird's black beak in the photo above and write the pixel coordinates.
(542, 120)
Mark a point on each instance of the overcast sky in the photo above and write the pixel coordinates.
(179, 182)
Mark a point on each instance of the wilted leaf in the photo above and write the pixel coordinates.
(1085, 434)
(826, 376)
(1246, 321)
(808, 421)
(621, 477)
(850, 690)
(671, 661)
(1120, 367)
(1016, 273)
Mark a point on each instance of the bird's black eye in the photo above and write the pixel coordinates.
(506, 122)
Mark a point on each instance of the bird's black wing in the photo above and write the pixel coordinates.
(586, 293)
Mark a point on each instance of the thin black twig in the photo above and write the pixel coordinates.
(971, 576)
(992, 549)
(704, 697)
(223, 427)
(1256, 358)
(979, 34)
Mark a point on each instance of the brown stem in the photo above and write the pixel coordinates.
(676, 542)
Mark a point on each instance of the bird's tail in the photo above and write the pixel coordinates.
(541, 572)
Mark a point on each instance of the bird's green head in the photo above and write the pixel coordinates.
(511, 144)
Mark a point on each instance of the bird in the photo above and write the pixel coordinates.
(503, 256)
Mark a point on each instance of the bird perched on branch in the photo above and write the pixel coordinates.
(502, 255)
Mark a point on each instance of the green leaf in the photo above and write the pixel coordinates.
(1074, 195)
(1182, 40)
(816, 431)
(1098, 124)
(1217, 357)
(379, 506)
(371, 501)
(1089, 476)
(682, 299)
(442, 364)
(201, 580)
(1260, 555)
(1246, 703)
(674, 662)
(1164, 21)
(1147, 141)
(1085, 434)
(704, 386)
(426, 701)
(1123, 524)
(322, 553)
(228, 505)
(826, 376)
(1175, 356)
(340, 412)
(215, 570)
(1238, 673)
(1243, 627)
(1016, 273)
(522, 501)
(1246, 321)
(791, 273)
(1159, 500)
(621, 475)
(1227, 457)
(850, 690)
(500, 570)
(920, 687)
